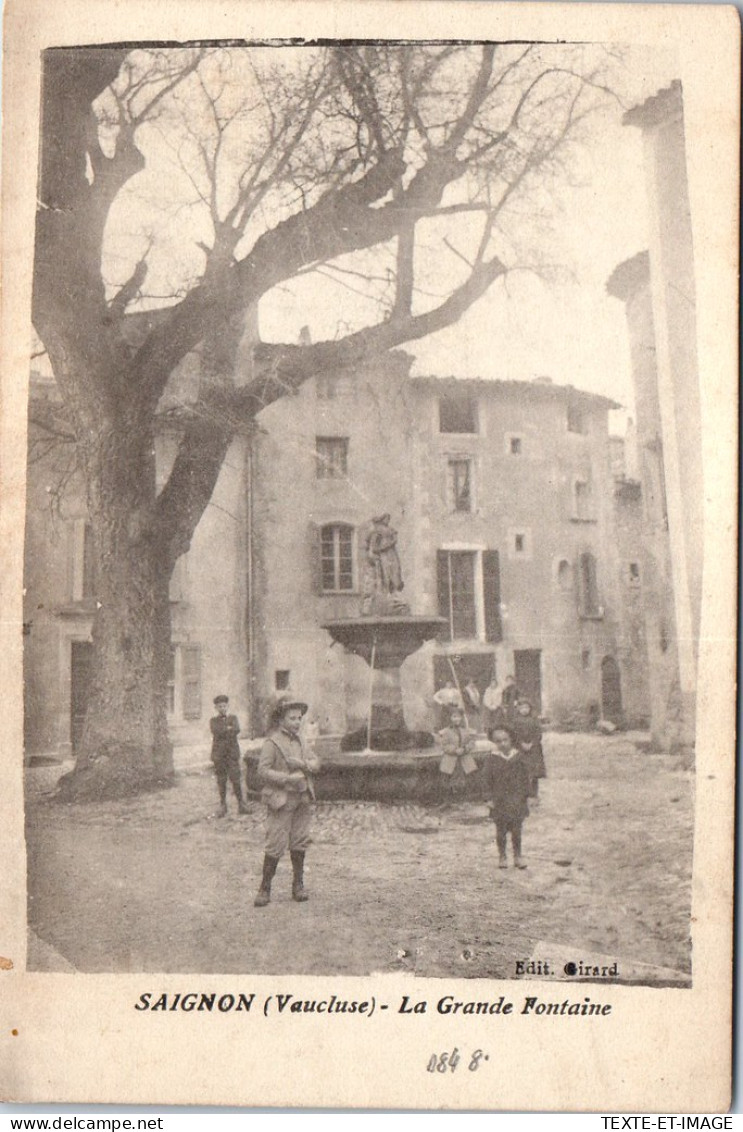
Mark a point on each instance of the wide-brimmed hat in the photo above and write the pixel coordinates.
(221, 699)
(281, 707)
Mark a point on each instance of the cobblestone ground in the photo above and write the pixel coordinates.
(161, 884)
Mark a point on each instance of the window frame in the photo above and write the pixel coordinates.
(525, 553)
(185, 683)
(487, 607)
(589, 591)
(454, 625)
(566, 579)
(338, 528)
(511, 438)
(582, 502)
(327, 467)
(452, 461)
(448, 400)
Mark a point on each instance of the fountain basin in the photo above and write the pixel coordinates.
(380, 776)
(391, 639)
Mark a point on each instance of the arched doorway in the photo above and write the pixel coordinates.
(611, 691)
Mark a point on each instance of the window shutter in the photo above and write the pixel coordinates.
(191, 675)
(491, 595)
(177, 587)
(88, 567)
(71, 541)
(442, 582)
(314, 559)
(76, 559)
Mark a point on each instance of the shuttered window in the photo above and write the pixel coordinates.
(456, 592)
(491, 596)
(171, 681)
(81, 561)
(89, 584)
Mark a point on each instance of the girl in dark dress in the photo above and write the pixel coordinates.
(527, 731)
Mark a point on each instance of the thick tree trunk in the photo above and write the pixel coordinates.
(125, 747)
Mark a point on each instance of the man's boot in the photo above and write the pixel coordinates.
(222, 811)
(298, 892)
(264, 892)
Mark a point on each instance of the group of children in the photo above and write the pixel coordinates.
(512, 770)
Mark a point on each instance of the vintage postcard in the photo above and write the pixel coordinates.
(369, 425)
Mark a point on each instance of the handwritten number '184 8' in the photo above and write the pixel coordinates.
(439, 1063)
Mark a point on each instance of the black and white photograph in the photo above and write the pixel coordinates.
(365, 528)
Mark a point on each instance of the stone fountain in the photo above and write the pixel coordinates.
(384, 634)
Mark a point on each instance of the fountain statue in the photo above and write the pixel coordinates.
(383, 575)
(384, 635)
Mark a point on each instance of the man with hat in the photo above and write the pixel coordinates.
(226, 754)
(285, 769)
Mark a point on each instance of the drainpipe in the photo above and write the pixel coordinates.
(250, 610)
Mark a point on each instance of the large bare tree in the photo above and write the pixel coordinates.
(285, 161)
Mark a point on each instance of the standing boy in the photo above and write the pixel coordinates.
(507, 777)
(285, 769)
(226, 754)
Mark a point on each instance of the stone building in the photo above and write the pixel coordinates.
(512, 524)
(208, 597)
(503, 497)
(657, 287)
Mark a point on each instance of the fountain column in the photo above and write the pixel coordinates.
(388, 640)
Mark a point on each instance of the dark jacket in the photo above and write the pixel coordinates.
(507, 781)
(527, 731)
(282, 754)
(225, 730)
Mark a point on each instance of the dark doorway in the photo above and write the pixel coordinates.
(81, 664)
(611, 691)
(527, 670)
